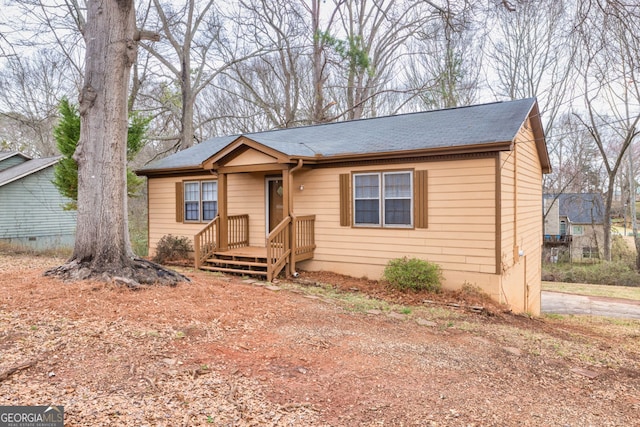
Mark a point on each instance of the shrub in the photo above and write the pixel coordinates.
(621, 251)
(604, 273)
(172, 248)
(413, 274)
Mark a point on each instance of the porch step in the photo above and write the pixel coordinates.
(244, 265)
(234, 270)
(218, 261)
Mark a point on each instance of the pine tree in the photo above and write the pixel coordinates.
(67, 135)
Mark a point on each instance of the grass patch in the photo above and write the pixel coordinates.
(361, 303)
(625, 292)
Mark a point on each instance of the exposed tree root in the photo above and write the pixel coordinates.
(133, 274)
(25, 365)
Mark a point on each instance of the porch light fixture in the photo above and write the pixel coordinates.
(301, 187)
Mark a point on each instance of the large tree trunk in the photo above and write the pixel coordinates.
(102, 248)
(101, 153)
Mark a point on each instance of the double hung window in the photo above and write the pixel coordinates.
(383, 199)
(200, 200)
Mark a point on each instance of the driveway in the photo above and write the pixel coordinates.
(561, 303)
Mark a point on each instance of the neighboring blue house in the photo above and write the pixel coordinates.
(31, 208)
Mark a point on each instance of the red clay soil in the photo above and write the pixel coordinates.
(325, 351)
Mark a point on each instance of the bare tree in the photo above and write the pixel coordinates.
(102, 248)
(370, 54)
(32, 87)
(443, 69)
(607, 32)
(276, 83)
(196, 49)
(577, 168)
(531, 51)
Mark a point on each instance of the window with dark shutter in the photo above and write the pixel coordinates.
(420, 198)
(179, 202)
(345, 200)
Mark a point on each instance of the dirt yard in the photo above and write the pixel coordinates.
(324, 351)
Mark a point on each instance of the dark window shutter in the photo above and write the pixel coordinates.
(420, 199)
(179, 202)
(345, 200)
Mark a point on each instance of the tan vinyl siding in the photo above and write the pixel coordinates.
(460, 234)
(163, 209)
(522, 224)
(247, 196)
(250, 157)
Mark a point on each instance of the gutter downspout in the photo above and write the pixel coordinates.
(291, 269)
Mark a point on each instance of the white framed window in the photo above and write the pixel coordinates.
(383, 199)
(577, 230)
(200, 201)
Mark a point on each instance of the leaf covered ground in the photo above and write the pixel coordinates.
(325, 350)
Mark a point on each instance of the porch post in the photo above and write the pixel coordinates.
(287, 203)
(223, 225)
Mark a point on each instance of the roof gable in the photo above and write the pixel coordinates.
(242, 152)
(25, 169)
(11, 158)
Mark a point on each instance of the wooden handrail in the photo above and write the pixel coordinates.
(304, 242)
(278, 248)
(238, 231)
(204, 242)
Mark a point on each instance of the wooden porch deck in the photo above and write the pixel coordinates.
(244, 252)
(292, 240)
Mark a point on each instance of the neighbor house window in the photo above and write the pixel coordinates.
(590, 252)
(577, 230)
(383, 199)
(200, 200)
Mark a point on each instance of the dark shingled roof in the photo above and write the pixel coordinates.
(580, 208)
(455, 127)
(27, 168)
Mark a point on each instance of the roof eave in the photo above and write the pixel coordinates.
(319, 159)
(538, 134)
(425, 152)
(32, 171)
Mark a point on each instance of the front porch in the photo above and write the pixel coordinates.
(291, 241)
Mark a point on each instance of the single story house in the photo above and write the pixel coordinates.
(31, 208)
(573, 225)
(459, 187)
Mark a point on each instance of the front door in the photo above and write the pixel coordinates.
(275, 203)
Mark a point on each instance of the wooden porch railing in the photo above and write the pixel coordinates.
(304, 237)
(238, 226)
(278, 248)
(205, 241)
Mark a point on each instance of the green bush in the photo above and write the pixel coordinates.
(413, 274)
(172, 248)
(621, 251)
(604, 273)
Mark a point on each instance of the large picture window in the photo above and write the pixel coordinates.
(383, 199)
(200, 200)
